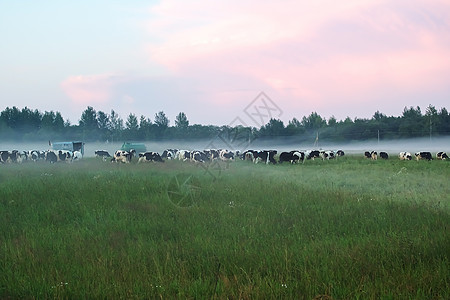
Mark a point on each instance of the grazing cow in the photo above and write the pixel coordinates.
(340, 153)
(184, 155)
(212, 154)
(51, 156)
(327, 154)
(150, 157)
(4, 157)
(312, 154)
(249, 155)
(226, 155)
(77, 156)
(54, 156)
(441, 155)
(423, 155)
(123, 156)
(405, 156)
(32, 155)
(384, 155)
(266, 156)
(169, 153)
(103, 154)
(13, 156)
(292, 157)
(372, 155)
(198, 157)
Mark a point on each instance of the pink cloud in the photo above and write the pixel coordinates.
(311, 53)
(89, 89)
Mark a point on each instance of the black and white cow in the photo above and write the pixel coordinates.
(103, 154)
(150, 157)
(169, 154)
(13, 156)
(265, 156)
(340, 153)
(77, 156)
(312, 154)
(198, 157)
(441, 155)
(53, 156)
(423, 155)
(327, 154)
(404, 156)
(372, 155)
(292, 157)
(226, 155)
(384, 155)
(32, 155)
(184, 155)
(212, 154)
(248, 155)
(123, 156)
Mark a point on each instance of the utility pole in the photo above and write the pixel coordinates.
(430, 128)
(378, 136)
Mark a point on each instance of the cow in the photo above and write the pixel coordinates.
(441, 155)
(372, 155)
(54, 156)
(4, 157)
(103, 154)
(226, 155)
(31, 155)
(13, 156)
(123, 156)
(169, 154)
(423, 155)
(292, 157)
(384, 155)
(405, 156)
(312, 154)
(184, 155)
(77, 155)
(150, 157)
(266, 156)
(340, 153)
(249, 155)
(198, 157)
(212, 154)
(326, 154)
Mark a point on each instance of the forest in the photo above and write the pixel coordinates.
(31, 125)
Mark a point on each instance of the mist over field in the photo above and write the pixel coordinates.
(433, 145)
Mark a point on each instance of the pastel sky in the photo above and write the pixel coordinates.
(211, 59)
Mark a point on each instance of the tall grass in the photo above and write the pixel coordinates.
(343, 229)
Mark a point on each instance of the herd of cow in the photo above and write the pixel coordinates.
(51, 156)
(255, 156)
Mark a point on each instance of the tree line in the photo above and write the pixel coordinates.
(30, 125)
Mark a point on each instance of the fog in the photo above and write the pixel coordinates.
(392, 146)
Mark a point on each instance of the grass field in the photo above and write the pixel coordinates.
(344, 229)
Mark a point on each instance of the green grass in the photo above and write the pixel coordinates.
(345, 229)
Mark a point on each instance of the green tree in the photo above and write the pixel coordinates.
(313, 121)
(88, 120)
(161, 120)
(181, 121)
(132, 126)
(145, 128)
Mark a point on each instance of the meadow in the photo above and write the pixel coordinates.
(341, 229)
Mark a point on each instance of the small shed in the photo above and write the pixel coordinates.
(71, 146)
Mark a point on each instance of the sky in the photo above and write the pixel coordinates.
(225, 62)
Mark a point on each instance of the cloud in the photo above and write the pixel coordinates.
(311, 55)
(90, 89)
